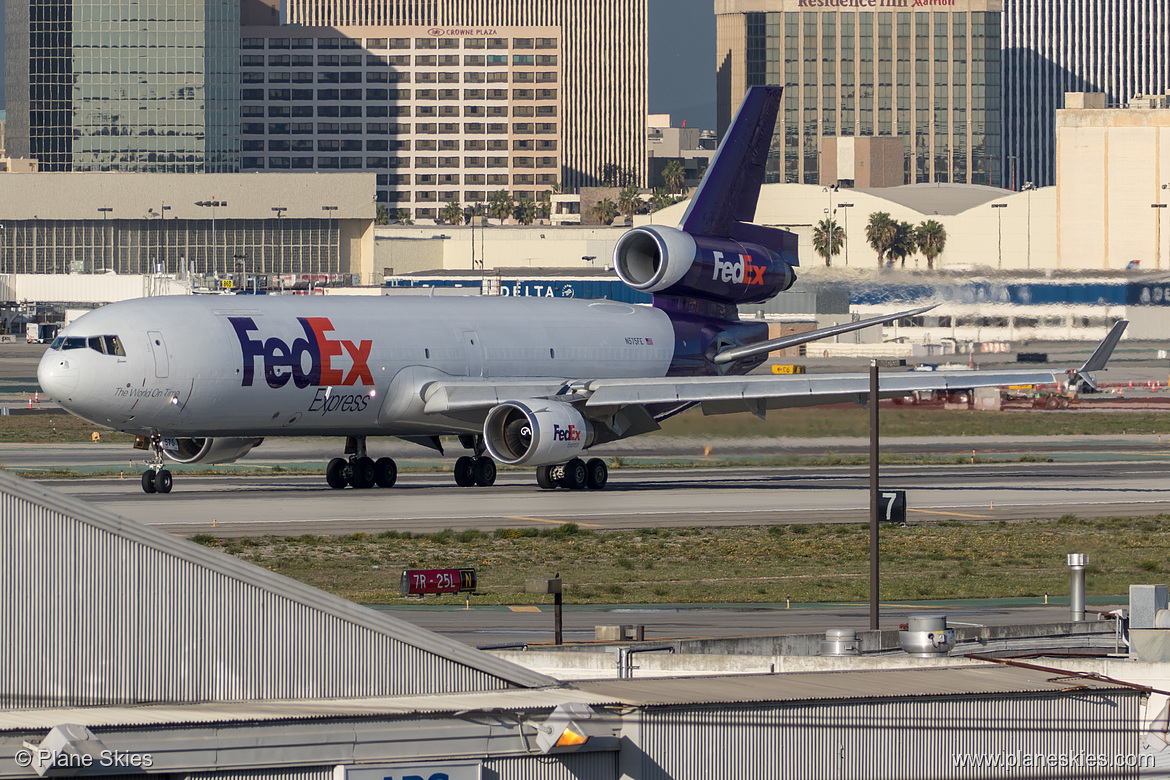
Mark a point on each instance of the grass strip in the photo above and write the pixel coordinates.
(819, 563)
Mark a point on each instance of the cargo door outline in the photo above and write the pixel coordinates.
(162, 363)
(474, 350)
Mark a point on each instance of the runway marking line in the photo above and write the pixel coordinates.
(952, 514)
(524, 609)
(557, 522)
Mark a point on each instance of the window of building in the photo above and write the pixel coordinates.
(473, 78)
(328, 145)
(251, 60)
(497, 128)
(252, 145)
(251, 43)
(497, 43)
(546, 43)
(474, 162)
(449, 162)
(424, 61)
(398, 43)
(523, 178)
(495, 94)
(278, 111)
(328, 60)
(301, 43)
(523, 59)
(425, 94)
(492, 60)
(519, 110)
(449, 128)
(327, 162)
(546, 94)
(301, 163)
(497, 179)
(278, 60)
(522, 162)
(523, 77)
(251, 111)
(497, 162)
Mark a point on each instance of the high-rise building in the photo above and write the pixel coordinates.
(1117, 47)
(600, 101)
(440, 118)
(123, 85)
(929, 76)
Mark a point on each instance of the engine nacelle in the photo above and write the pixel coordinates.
(209, 451)
(668, 261)
(536, 433)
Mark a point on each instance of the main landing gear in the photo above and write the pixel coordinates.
(156, 478)
(360, 471)
(478, 469)
(577, 474)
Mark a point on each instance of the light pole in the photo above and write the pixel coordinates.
(329, 213)
(278, 266)
(845, 219)
(243, 270)
(163, 208)
(104, 210)
(213, 204)
(999, 215)
(1157, 233)
(1028, 187)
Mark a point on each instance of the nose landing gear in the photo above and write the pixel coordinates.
(156, 478)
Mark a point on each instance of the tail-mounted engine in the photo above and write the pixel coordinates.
(536, 433)
(209, 451)
(668, 261)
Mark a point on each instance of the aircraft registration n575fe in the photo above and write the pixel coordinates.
(520, 381)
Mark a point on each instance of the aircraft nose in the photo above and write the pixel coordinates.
(58, 375)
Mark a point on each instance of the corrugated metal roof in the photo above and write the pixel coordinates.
(308, 709)
(807, 686)
(224, 628)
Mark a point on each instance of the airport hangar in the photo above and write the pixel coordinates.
(178, 660)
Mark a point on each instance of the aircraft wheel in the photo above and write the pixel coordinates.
(597, 473)
(148, 481)
(544, 478)
(484, 471)
(163, 481)
(576, 475)
(385, 472)
(361, 474)
(464, 471)
(335, 473)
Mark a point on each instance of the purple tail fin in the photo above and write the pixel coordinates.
(724, 205)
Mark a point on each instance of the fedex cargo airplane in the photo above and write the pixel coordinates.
(519, 381)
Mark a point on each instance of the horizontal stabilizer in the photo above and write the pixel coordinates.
(771, 345)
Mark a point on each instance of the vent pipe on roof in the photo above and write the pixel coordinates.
(1076, 565)
(927, 636)
(840, 641)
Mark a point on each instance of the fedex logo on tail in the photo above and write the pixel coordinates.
(741, 270)
(282, 362)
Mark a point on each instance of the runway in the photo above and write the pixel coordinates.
(635, 498)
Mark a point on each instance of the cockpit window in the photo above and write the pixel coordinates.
(107, 345)
(113, 345)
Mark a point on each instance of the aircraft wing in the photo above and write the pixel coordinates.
(761, 392)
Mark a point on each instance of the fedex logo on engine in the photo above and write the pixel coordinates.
(283, 362)
(741, 270)
(572, 433)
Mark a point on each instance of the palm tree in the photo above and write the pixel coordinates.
(402, 217)
(629, 202)
(544, 205)
(828, 239)
(605, 211)
(903, 244)
(931, 238)
(674, 175)
(525, 211)
(661, 199)
(452, 213)
(880, 233)
(500, 205)
(381, 215)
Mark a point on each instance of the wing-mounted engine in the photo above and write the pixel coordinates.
(668, 261)
(536, 433)
(209, 451)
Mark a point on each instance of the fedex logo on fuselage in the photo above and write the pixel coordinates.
(283, 362)
(741, 270)
(572, 433)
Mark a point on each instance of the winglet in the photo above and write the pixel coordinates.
(725, 200)
(1100, 355)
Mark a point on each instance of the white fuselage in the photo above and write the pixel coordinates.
(284, 365)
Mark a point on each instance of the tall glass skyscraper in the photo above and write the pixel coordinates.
(1118, 47)
(124, 85)
(871, 68)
